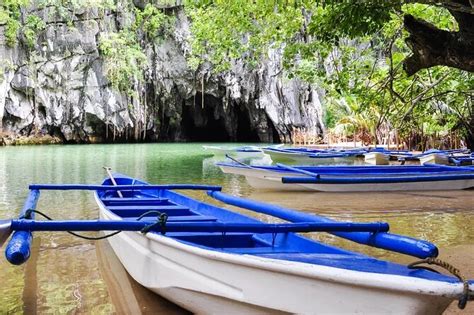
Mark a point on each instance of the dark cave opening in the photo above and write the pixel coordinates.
(200, 123)
(275, 137)
(245, 133)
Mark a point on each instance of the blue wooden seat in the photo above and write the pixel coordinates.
(147, 207)
(135, 201)
(135, 211)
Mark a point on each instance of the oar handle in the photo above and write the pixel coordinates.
(5, 231)
(112, 179)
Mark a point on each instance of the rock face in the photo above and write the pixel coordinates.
(59, 88)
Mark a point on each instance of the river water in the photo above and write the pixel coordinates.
(70, 275)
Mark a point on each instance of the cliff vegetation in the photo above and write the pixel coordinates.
(118, 70)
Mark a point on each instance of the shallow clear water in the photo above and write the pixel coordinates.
(70, 275)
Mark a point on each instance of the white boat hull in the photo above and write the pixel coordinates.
(210, 282)
(298, 158)
(221, 152)
(268, 180)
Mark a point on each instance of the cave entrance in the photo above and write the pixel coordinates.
(245, 132)
(200, 124)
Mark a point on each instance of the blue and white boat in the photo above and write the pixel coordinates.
(312, 156)
(211, 260)
(243, 152)
(351, 178)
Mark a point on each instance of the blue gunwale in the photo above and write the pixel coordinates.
(287, 246)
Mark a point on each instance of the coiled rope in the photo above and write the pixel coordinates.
(450, 268)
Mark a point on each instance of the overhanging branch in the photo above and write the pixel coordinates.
(432, 46)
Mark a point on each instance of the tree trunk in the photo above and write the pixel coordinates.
(432, 46)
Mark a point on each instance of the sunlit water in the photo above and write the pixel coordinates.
(70, 275)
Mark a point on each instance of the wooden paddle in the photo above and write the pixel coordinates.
(112, 179)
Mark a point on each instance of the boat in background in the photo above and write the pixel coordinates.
(376, 158)
(311, 157)
(371, 155)
(337, 178)
(434, 158)
(209, 259)
(244, 152)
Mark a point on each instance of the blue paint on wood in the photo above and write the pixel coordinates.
(122, 187)
(18, 249)
(375, 180)
(392, 242)
(209, 227)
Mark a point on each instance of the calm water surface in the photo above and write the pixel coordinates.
(70, 275)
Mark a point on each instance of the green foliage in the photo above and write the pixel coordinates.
(10, 16)
(150, 21)
(32, 27)
(333, 20)
(124, 59)
(226, 30)
(353, 49)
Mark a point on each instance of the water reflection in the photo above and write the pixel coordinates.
(129, 297)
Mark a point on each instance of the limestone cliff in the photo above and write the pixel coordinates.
(58, 87)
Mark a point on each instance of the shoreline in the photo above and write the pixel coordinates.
(18, 140)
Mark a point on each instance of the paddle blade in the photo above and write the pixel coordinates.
(5, 231)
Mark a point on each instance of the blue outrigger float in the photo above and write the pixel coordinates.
(209, 259)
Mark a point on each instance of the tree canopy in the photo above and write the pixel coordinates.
(401, 65)
(221, 24)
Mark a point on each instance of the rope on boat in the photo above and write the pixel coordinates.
(162, 218)
(453, 270)
(90, 238)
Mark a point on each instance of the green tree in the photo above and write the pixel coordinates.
(384, 56)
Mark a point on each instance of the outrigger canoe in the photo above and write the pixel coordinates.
(353, 178)
(311, 157)
(244, 152)
(209, 259)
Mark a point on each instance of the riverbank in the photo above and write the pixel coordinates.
(9, 139)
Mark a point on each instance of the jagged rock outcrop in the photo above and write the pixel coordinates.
(59, 88)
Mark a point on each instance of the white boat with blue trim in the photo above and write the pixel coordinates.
(243, 152)
(211, 260)
(353, 178)
(311, 156)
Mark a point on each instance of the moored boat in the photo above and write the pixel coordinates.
(310, 157)
(237, 152)
(434, 158)
(376, 158)
(212, 260)
(353, 178)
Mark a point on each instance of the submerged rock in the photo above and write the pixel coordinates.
(59, 88)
